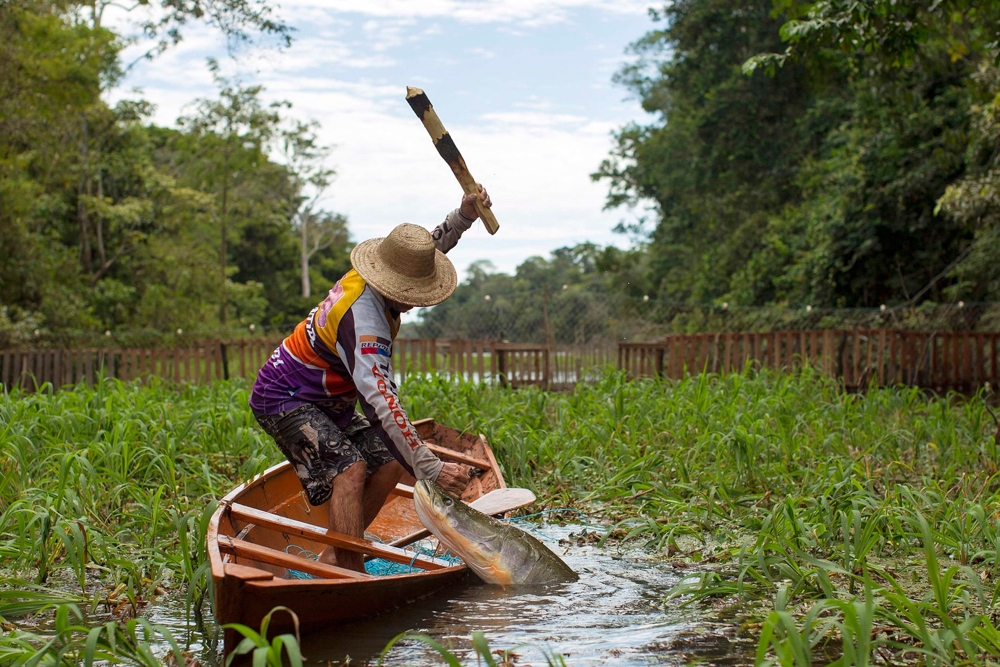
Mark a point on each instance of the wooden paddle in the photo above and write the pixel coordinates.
(501, 501)
(449, 151)
(494, 503)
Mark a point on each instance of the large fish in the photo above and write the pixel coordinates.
(498, 552)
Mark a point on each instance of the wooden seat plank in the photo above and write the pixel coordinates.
(403, 490)
(292, 527)
(450, 455)
(246, 573)
(251, 551)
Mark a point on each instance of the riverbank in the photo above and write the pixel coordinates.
(805, 514)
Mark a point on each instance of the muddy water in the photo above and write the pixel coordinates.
(615, 615)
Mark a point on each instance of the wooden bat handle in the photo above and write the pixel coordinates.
(449, 151)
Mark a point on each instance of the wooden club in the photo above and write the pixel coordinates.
(446, 148)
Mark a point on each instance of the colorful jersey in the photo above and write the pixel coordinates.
(342, 353)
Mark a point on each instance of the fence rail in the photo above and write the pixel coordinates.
(515, 364)
(474, 360)
(961, 361)
(31, 369)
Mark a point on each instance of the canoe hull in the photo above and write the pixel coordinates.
(322, 604)
(246, 590)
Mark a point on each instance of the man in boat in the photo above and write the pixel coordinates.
(305, 394)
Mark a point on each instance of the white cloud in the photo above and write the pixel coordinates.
(533, 102)
(533, 118)
(484, 53)
(535, 155)
(531, 13)
(537, 174)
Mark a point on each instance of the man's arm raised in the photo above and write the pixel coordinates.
(447, 234)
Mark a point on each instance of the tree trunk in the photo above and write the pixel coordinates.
(81, 215)
(304, 255)
(222, 244)
(81, 208)
(99, 225)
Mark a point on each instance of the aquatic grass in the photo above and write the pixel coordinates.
(111, 487)
(874, 512)
(756, 483)
(266, 652)
(71, 642)
(28, 598)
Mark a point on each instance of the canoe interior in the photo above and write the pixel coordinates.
(279, 492)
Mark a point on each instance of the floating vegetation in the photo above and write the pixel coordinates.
(106, 492)
(835, 526)
(71, 642)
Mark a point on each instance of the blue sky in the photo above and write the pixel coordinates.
(524, 87)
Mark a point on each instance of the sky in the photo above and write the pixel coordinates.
(523, 86)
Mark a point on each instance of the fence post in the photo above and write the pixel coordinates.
(481, 351)
(967, 344)
(993, 360)
(225, 360)
(502, 366)
(856, 360)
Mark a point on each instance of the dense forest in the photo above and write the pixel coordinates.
(801, 157)
(110, 223)
(809, 164)
(837, 152)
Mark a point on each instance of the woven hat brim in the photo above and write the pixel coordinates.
(417, 292)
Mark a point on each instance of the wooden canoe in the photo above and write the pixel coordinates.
(260, 527)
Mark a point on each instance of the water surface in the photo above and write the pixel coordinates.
(615, 615)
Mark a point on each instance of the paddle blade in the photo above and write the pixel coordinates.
(500, 501)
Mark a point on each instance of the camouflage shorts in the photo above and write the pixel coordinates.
(319, 450)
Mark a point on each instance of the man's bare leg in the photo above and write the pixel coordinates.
(346, 516)
(378, 487)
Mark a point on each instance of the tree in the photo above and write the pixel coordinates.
(305, 159)
(235, 131)
(974, 201)
(237, 20)
(724, 150)
(924, 79)
(817, 181)
(109, 223)
(886, 35)
(52, 73)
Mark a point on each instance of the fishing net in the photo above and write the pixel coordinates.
(380, 567)
(296, 550)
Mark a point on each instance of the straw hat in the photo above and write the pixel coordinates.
(406, 267)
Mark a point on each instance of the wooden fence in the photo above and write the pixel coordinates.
(31, 369)
(516, 364)
(962, 361)
(473, 360)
